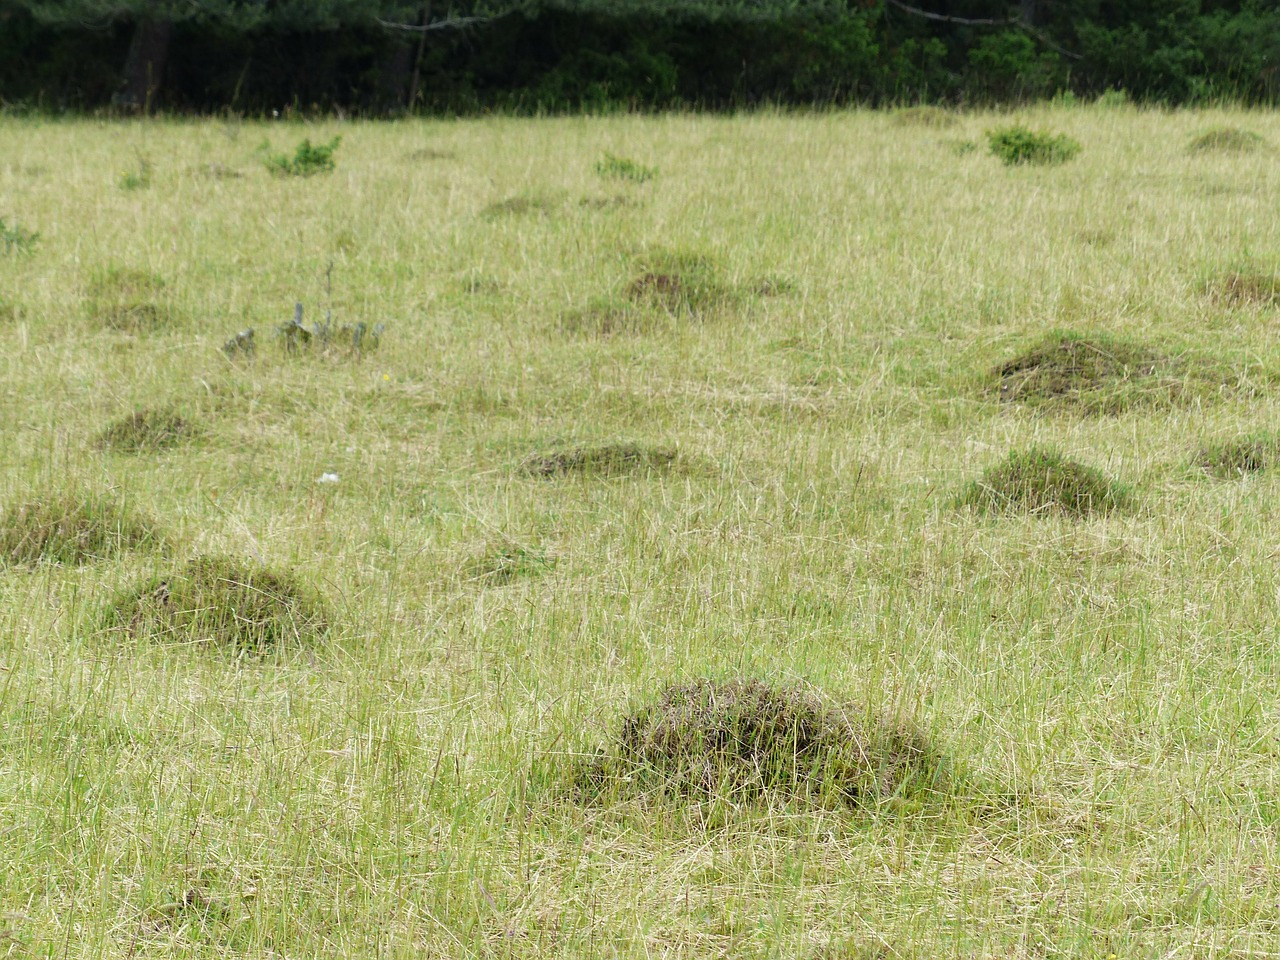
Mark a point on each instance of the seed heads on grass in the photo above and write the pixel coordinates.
(1227, 140)
(147, 431)
(73, 527)
(1234, 458)
(1019, 145)
(130, 300)
(1040, 481)
(740, 739)
(606, 460)
(225, 602)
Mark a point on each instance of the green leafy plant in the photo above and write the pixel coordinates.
(1018, 145)
(621, 168)
(308, 160)
(15, 238)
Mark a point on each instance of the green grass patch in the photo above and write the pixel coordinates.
(1017, 145)
(15, 238)
(73, 527)
(223, 602)
(621, 168)
(507, 563)
(308, 160)
(1039, 481)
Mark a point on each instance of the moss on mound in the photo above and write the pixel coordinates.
(740, 739)
(1042, 481)
(72, 527)
(146, 430)
(613, 459)
(1098, 372)
(223, 602)
(1234, 458)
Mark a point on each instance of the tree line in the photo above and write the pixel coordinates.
(387, 56)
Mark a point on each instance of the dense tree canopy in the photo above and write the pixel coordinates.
(570, 54)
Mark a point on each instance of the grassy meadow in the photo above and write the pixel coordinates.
(326, 641)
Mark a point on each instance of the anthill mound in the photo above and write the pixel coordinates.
(1042, 481)
(1234, 458)
(1097, 372)
(678, 282)
(740, 739)
(130, 300)
(224, 602)
(518, 206)
(613, 459)
(1245, 289)
(73, 528)
(147, 430)
(1227, 140)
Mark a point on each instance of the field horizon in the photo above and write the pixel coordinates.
(376, 631)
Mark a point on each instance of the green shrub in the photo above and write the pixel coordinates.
(307, 160)
(1017, 145)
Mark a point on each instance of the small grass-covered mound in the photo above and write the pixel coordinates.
(146, 431)
(224, 602)
(605, 460)
(1098, 372)
(1230, 459)
(740, 739)
(520, 205)
(73, 527)
(130, 300)
(678, 282)
(612, 316)
(1226, 140)
(1043, 481)
(1245, 288)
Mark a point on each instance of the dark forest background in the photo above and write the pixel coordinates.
(372, 57)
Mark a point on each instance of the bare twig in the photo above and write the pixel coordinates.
(448, 23)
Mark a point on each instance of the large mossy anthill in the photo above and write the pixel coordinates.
(740, 739)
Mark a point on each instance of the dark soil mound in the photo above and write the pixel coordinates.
(223, 602)
(73, 528)
(739, 739)
(1041, 481)
(678, 283)
(608, 460)
(147, 430)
